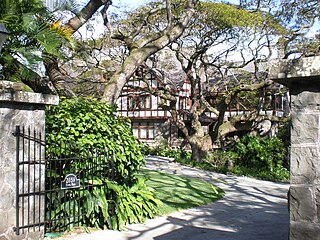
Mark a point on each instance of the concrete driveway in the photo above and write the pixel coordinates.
(251, 210)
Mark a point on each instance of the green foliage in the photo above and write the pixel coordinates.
(216, 161)
(227, 16)
(279, 174)
(264, 154)
(134, 204)
(252, 157)
(109, 206)
(163, 149)
(96, 134)
(32, 29)
(93, 124)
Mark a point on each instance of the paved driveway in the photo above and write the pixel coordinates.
(251, 210)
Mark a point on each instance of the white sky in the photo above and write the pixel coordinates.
(130, 4)
(135, 3)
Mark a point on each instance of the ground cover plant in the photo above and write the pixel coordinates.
(178, 192)
(174, 192)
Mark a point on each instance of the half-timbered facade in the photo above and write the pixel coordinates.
(149, 117)
(149, 120)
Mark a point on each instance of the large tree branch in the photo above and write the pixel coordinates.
(58, 78)
(86, 13)
(169, 14)
(145, 48)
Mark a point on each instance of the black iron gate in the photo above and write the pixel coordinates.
(52, 180)
(30, 176)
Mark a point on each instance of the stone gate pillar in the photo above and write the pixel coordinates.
(24, 109)
(302, 76)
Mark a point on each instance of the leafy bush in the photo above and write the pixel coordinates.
(78, 127)
(279, 174)
(164, 150)
(264, 154)
(252, 157)
(134, 204)
(262, 158)
(218, 159)
(109, 205)
(93, 124)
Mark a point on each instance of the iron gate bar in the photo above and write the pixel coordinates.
(17, 135)
(81, 163)
(36, 160)
(30, 146)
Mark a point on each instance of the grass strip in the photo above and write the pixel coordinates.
(178, 192)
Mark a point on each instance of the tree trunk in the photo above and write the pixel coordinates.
(128, 68)
(60, 81)
(86, 13)
(200, 146)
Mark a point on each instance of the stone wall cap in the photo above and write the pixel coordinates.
(287, 71)
(12, 92)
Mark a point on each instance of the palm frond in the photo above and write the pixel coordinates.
(33, 29)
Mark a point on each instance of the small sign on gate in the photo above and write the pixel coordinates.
(70, 181)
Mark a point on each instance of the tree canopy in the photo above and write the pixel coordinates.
(207, 39)
(42, 38)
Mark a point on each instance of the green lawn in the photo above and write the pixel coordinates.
(178, 192)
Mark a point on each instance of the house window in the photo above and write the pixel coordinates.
(139, 102)
(143, 131)
(133, 103)
(135, 132)
(151, 133)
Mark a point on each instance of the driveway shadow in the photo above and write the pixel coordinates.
(250, 210)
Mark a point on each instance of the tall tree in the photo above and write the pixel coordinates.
(232, 31)
(139, 41)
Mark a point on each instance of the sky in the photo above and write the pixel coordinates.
(130, 4)
(135, 3)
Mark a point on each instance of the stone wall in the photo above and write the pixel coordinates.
(24, 109)
(303, 78)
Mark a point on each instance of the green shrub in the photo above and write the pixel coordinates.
(252, 157)
(109, 206)
(93, 124)
(134, 204)
(219, 159)
(79, 126)
(279, 174)
(164, 150)
(257, 153)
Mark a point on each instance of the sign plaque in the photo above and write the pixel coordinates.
(70, 181)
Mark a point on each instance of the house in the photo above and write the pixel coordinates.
(150, 117)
